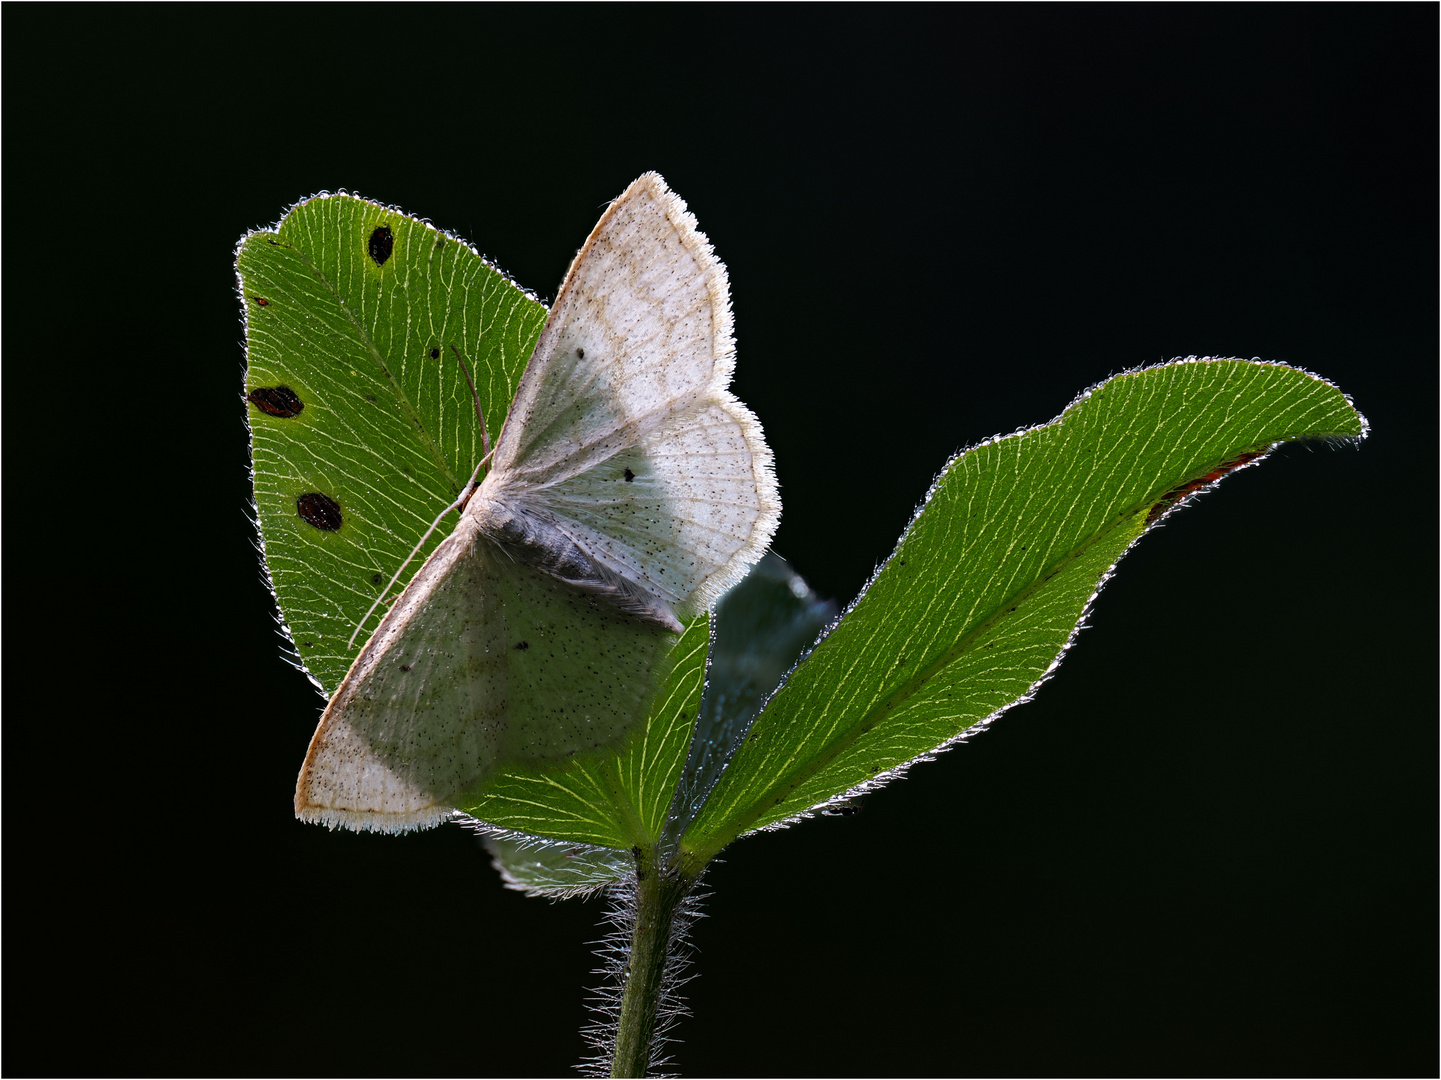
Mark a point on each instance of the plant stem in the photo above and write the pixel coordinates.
(659, 891)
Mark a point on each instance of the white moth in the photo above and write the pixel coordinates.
(628, 490)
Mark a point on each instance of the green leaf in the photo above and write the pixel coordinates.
(386, 428)
(363, 428)
(989, 582)
(556, 871)
(618, 801)
(762, 626)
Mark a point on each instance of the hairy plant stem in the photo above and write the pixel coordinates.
(659, 891)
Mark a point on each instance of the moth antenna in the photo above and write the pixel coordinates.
(484, 433)
(465, 494)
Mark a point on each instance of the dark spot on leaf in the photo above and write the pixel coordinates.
(261, 301)
(404, 667)
(307, 644)
(580, 353)
(319, 510)
(522, 645)
(434, 353)
(382, 243)
(278, 401)
(629, 476)
(376, 579)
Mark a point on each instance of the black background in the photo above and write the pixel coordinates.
(1208, 846)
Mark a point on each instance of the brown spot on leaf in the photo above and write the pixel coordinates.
(382, 243)
(319, 510)
(278, 401)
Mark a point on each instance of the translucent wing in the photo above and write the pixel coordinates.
(481, 661)
(624, 435)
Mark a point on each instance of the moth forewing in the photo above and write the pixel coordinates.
(392, 748)
(483, 662)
